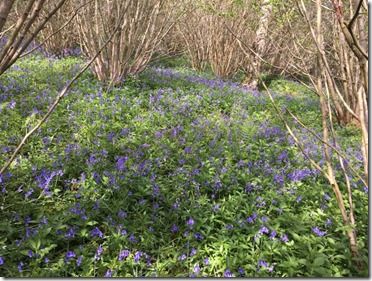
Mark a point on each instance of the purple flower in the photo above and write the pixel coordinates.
(241, 271)
(28, 193)
(328, 222)
(284, 238)
(182, 257)
(299, 198)
(132, 239)
(70, 254)
(190, 221)
(122, 214)
(263, 230)
(137, 256)
(193, 252)
(46, 260)
(271, 268)
(174, 228)
(30, 253)
(299, 175)
(120, 163)
(228, 273)
(70, 233)
(44, 220)
(198, 236)
(206, 261)
(318, 232)
(21, 264)
(96, 232)
(196, 269)
(79, 261)
(326, 197)
(273, 234)
(1, 260)
(98, 253)
(262, 263)
(254, 216)
(123, 254)
(109, 273)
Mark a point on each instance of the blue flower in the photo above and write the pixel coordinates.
(123, 254)
(196, 269)
(198, 236)
(70, 233)
(44, 220)
(28, 193)
(133, 239)
(137, 256)
(70, 254)
(120, 163)
(96, 232)
(98, 253)
(241, 271)
(263, 230)
(284, 238)
(262, 263)
(228, 273)
(30, 253)
(174, 228)
(190, 221)
(122, 214)
(193, 252)
(328, 222)
(182, 257)
(79, 261)
(273, 234)
(21, 264)
(1, 260)
(109, 273)
(318, 232)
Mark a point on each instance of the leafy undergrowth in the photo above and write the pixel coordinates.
(173, 174)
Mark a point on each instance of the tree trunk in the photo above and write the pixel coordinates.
(251, 79)
(5, 7)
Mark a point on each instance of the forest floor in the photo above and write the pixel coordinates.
(174, 173)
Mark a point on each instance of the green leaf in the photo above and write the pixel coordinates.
(318, 261)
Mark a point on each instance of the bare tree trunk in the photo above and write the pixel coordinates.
(5, 7)
(21, 35)
(331, 176)
(251, 79)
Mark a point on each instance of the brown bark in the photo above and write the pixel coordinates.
(21, 37)
(5, 7)
(259, 45)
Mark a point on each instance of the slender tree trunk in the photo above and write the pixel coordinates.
(5, 7)
(251, 79)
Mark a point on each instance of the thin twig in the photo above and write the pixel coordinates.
(62, 27)
(54, 105)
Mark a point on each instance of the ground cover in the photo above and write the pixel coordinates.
(175, 173)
